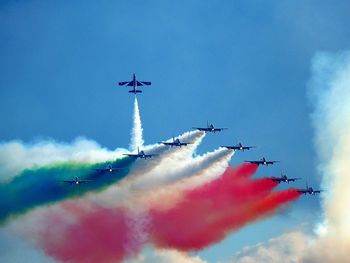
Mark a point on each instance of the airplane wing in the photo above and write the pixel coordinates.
(220, 129)
(168, 143)
(101, 169)
(293, 179)
(139, 83)
(69, 181)
(149, 155)
(131, 154)
(303, 191)
(200, 129)
(253, 162)
(318, 191)
(123, 83)
(275, 179)
(84, 181)
(131, 83)
(146, 83)
(248, 147)
(272, 162)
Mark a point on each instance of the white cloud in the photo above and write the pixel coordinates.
(166, 256)
(290, 247)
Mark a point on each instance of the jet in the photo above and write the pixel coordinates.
(108, 169)
(140, 154)
(209, 128)
(176, 143)
(309, 190)
(134, 83)
(284, 178)
(77, 181)
(262, 162)
(239, 147)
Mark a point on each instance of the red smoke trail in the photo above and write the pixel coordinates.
(201, 217)
(259, 209)
(98, 235)
(195, 221)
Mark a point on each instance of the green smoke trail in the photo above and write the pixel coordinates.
(44, 185)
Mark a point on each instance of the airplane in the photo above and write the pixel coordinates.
(140, 154)
(239, 147)
(134, 83)
(77, 181)
(284, 178)
(209, 128)
(262, 162)
(108, 169)
(309, 190)
(176, 143)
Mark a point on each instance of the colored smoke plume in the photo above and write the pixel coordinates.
(204, 215)
(207, 213)
(42, 186)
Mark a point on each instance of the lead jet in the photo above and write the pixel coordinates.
(262, 162)
(176, 143)
(108, 169)
(284, 178)
(77, 181)
(309, 190)
(239, 147)
(140, 154)
(134, 83)
(209, 128)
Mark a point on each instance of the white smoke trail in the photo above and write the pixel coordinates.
(167, 191)
(15, 156)
(142, 172)
(165, 153)
(165, 179)
(136, 133)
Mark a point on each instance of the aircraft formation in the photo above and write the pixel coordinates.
(210, 128)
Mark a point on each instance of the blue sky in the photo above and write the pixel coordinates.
(244, 65)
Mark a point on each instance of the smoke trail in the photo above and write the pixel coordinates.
(100, 235)
(197, 224)
(164, 182)
(203, 216)
(41, 186)
(15, 156)
(136, 133)
(211, 210)
(171, 192)
(165, 153)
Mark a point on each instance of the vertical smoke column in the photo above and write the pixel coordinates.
(330, 90)
(136, 132)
